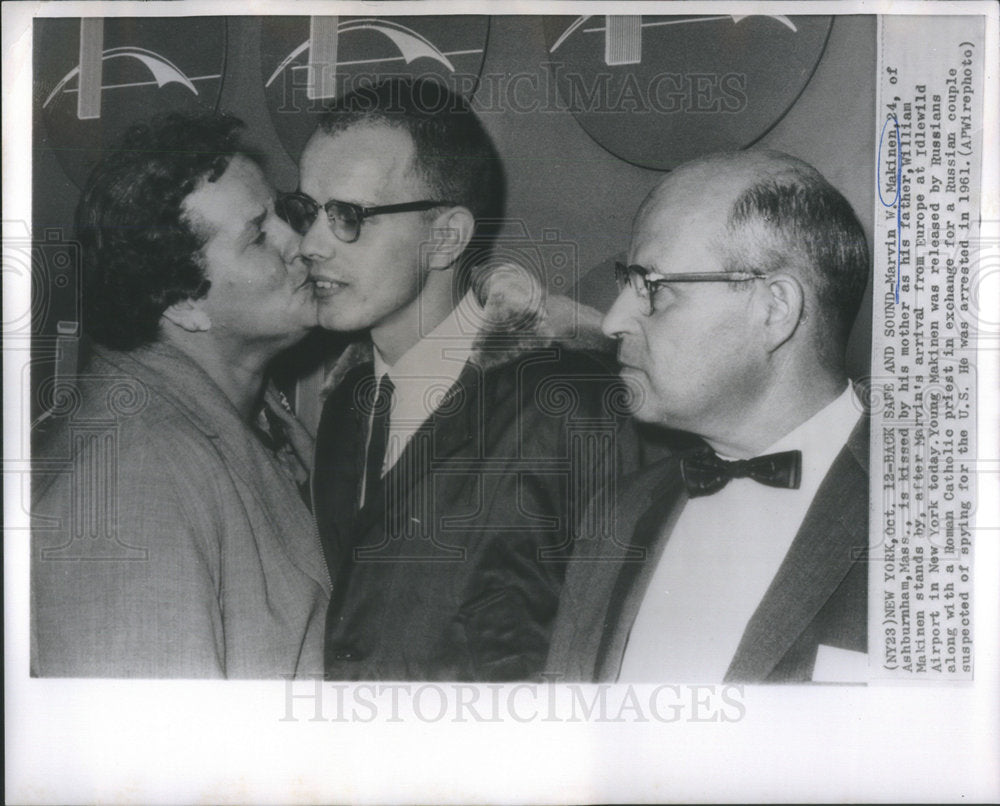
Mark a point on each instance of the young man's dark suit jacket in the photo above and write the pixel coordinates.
(452, 570)
(819, 595)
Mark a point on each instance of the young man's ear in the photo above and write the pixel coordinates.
(188, 315)
(450, 234)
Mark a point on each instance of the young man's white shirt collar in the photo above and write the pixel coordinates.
(424, 373)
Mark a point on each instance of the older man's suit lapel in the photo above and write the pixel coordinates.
(607, 575)
(603, 596)
(824, 551)
(647, 520)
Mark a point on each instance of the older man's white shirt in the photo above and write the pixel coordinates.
(722, 555)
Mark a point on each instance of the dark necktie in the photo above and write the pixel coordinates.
(380, 404)
(705, 473)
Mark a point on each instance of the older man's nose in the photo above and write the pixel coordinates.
(621, 317)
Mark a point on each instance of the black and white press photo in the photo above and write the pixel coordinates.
(605, 382)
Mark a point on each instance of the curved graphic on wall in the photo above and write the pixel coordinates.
(307, 62)
(116, 71)
(657, 91)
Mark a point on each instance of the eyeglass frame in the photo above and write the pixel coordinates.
(360, 211)
(651, 280)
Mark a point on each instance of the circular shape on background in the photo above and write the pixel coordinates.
(127, 397)
(444, 399)
(366, 49)
(59, 397)
(658, 91)
(623, 397)
(141, 67)
(557, 396)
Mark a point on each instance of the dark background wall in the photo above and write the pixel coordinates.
(559, 179)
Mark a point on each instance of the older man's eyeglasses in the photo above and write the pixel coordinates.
(345, 218)
(645, 282)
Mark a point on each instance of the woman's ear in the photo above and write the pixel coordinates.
(188, 315)
(450, 234)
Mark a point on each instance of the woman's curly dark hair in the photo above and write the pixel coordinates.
(140, 255)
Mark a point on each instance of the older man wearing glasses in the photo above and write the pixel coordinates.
(461, 435)
(742, 560)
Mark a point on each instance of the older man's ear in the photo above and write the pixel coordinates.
(784, 308)
(188, 315)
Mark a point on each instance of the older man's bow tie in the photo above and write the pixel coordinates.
(705, 473)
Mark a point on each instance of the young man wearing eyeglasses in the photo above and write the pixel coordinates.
(744, 560)
(461, 437)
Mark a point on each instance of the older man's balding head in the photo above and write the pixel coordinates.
(746, 272)
(772, 212)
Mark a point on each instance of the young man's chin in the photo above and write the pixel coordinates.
(339, 323)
